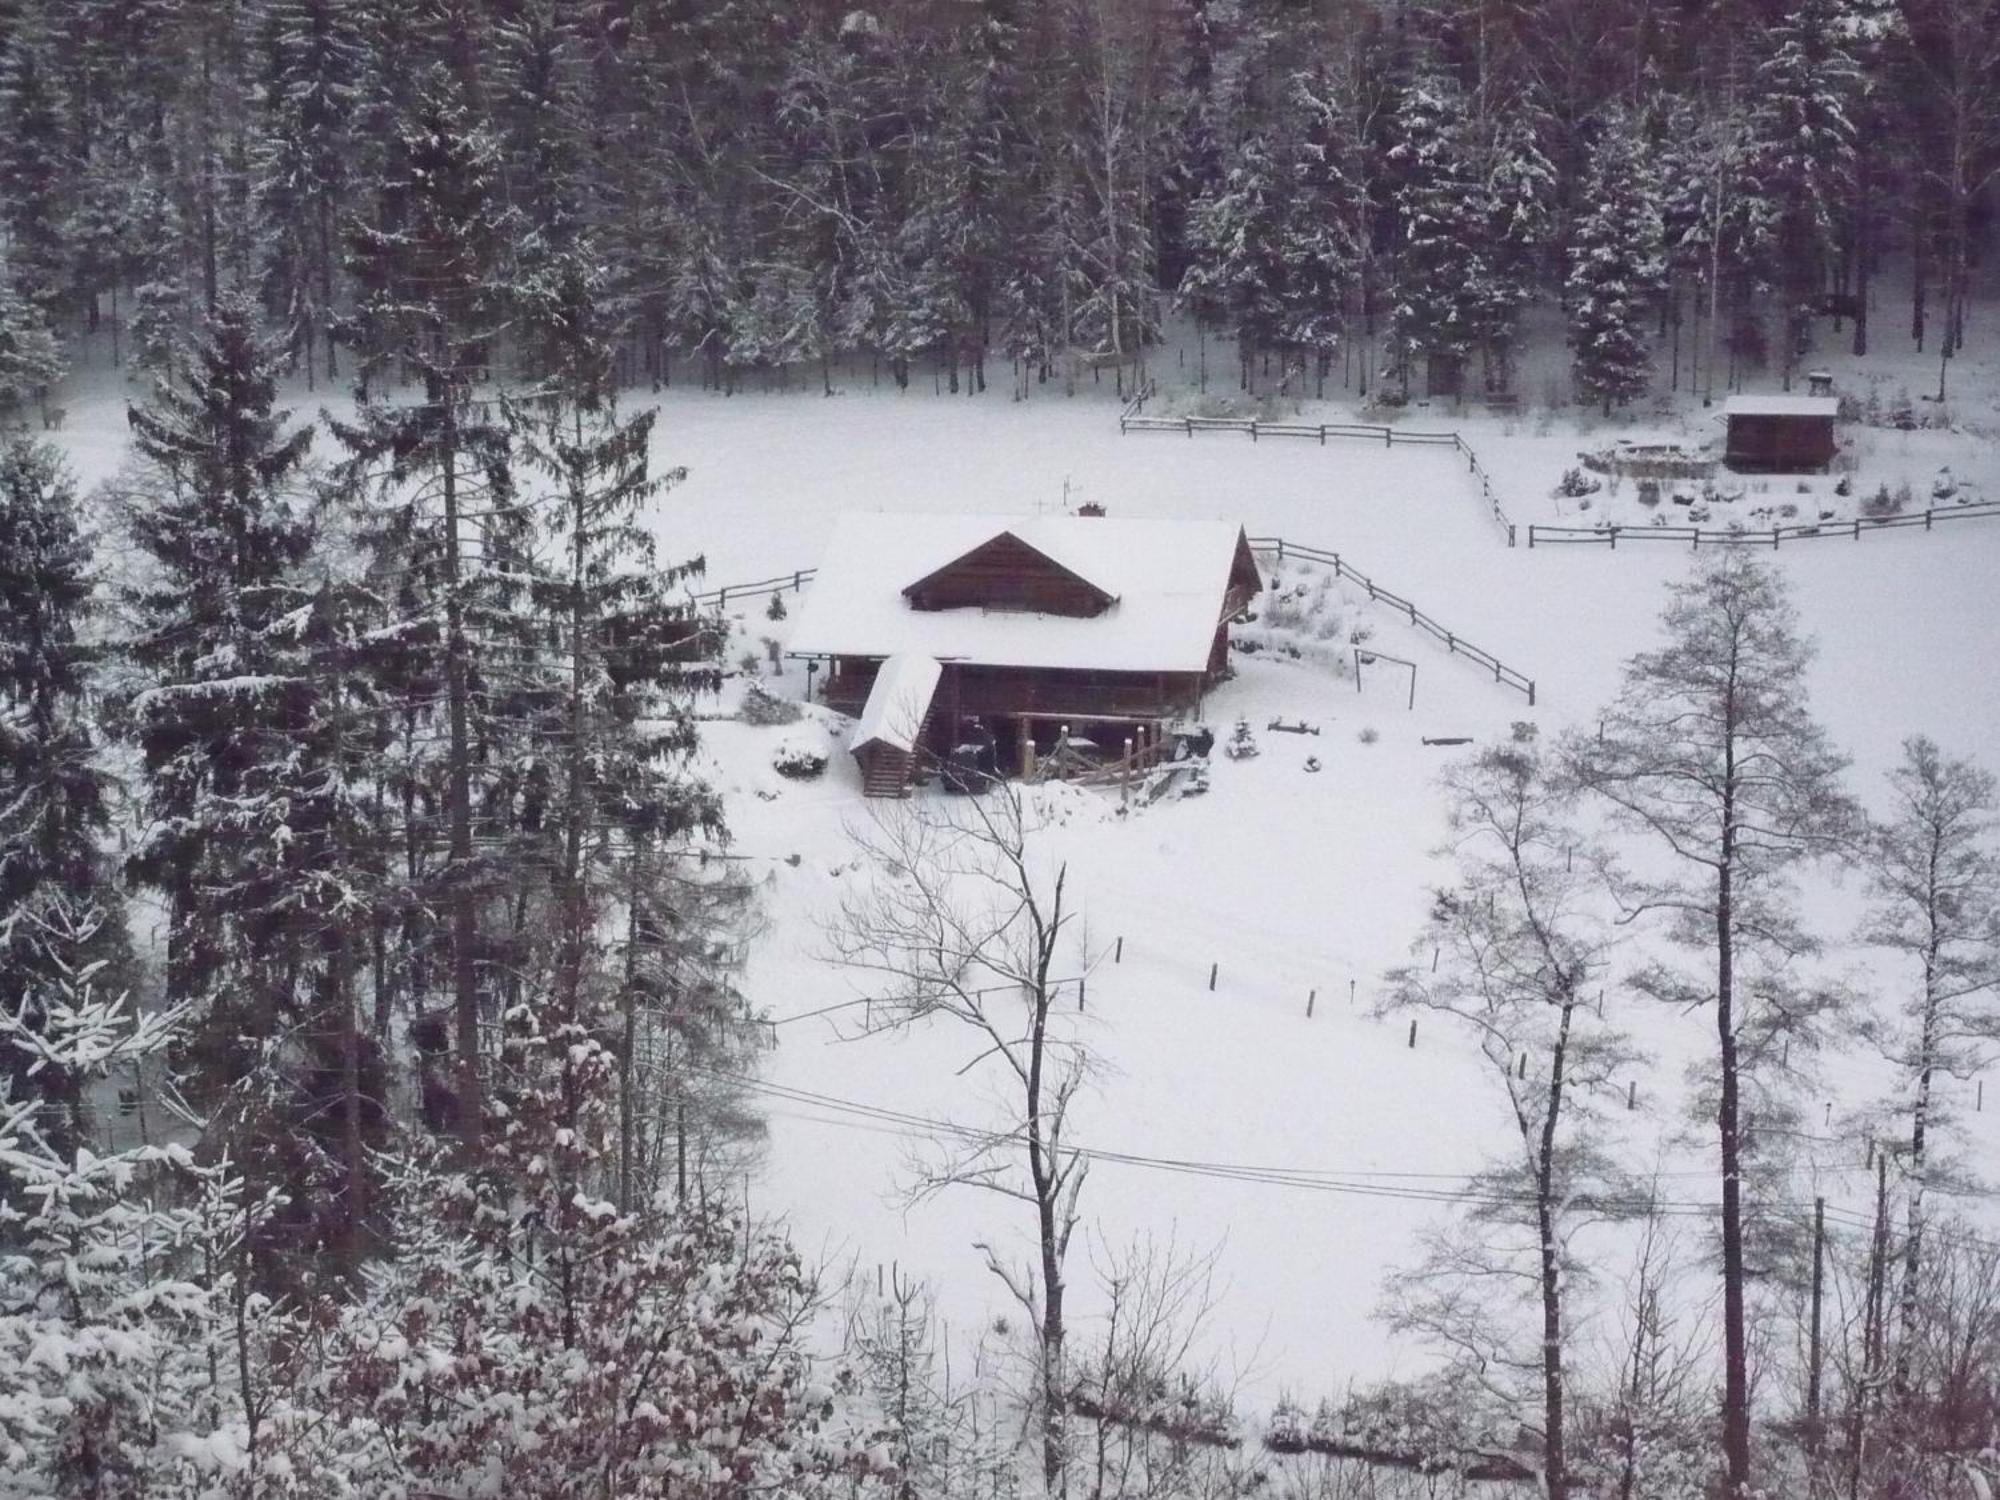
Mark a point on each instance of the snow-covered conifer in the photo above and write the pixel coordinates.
(1617, 268)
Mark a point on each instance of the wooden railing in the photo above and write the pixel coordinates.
(1453, 642)
(1761, 536)
(1133, 419)
(784, 583)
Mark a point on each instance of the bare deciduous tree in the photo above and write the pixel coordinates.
(963, 922)
(1515, 949)
(1936, 882)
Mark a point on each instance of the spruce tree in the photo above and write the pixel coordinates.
(54, 796)
(314, 58)
(630, 655)
(35, 169)
(434, 491)
(1435, 210)
(1803, 156)
(222, 725)
(1617, 268)
(1237, 243)
(30, 358)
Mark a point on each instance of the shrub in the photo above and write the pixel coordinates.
(1882, 503)
(1575, 483)
(1369, 735)
(775, 610)
(1649, 493)
(1844, 485)
(800, 757)
(762, 707)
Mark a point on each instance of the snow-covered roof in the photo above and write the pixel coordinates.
(897, 704)
(1781, 406)
(1167, 579)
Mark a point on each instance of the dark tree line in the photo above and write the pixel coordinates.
(943, 186)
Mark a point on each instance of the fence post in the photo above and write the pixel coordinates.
(722, 599)
(1531, 692)
(1531, 536)
(1510, 535)
(1253, 429)
(1322, 434)
(1614, 539)
(1389, 436)
(1857, 525)
(798, 580)
(1281, 549)
(1927, 523)
(1774, 538)
(1211, 976)
(1190, 425)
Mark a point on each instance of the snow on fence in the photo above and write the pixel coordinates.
(1762, 536)
(1456, 644)
(1132, 419)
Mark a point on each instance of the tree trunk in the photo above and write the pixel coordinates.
(464, 920)
(1554, 1447)
(1736, 1349)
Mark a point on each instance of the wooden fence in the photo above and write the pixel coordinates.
(1453, 642)
(1133, 419)
(784, 583)
(1761, 536)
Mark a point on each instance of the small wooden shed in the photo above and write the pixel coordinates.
(1780, 434)
(890, 735)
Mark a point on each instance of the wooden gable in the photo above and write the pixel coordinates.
(1245, 582)
(1004, 572)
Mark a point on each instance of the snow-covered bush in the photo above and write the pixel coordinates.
(1575, 484)
(802, 757)
(762, 707)
(1885, 503)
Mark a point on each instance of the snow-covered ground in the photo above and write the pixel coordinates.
(1289, 882)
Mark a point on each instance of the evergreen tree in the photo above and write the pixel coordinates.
(1237, 243)
(1804, 154)
(226, 727)
(630, 656)
(103, 1330)
(30, 358)
(1617, 268)
(35, 169)
(1516, 186)
(1323, 225)
(1434, 276)
(314, 54)
(432, 484)
(54, 797)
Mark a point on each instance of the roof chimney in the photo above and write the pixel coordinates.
(1819, 382)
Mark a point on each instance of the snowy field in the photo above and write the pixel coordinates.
(1289, 883)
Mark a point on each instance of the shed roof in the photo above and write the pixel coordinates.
(1168, 581)
(898, 703)
(1782, 406)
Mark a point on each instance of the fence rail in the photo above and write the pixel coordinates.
(1763, 536)
(784, 583)
(1132, 418)
(1455, 643)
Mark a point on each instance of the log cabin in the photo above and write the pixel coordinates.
(1017, 632)
(1780, 434)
